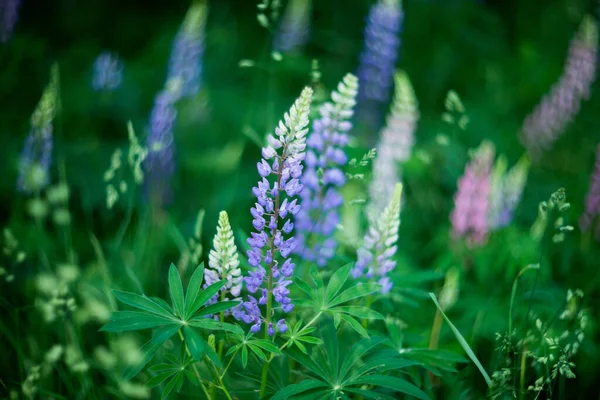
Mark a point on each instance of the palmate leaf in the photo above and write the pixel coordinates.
(193, 290)
(208, 323)
(215, 308)
(354, 324)
(393, 383)
(194, 343)
(337, 281)
(142, 302)
(298, 388)
(174, 384)
(355, 354)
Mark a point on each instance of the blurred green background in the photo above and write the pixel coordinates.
(500, 56)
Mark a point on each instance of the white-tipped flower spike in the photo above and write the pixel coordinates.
(395, 145)
(380, 244)
(223, 260)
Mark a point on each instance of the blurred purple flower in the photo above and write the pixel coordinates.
(280, 170)
(294, 29)
(159, 163)
(9, 12)
(108, 72)
(559, 107)
(592, 200)
(506, 190)
(317, 220)
(471, 201)
(377, 60)
(185, 63)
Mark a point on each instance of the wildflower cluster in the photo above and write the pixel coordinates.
(592, 200)
(294, 28)
(547, 210)
(558, 109)
(319, 216)
(378, 59)
(380, 245)
(280, 170)
(34, 171)
(223, 261)
(395, 144)
(471, 201)
(108, 72)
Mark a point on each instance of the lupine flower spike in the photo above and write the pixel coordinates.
(108, 72)
(471, 201)
(375, 257)
(9, 12)
(325, 157)
(160, 163)
(34, 169)
(188, 49)
(273, 213)
(592, 200)
(378, 59)
(506, 189)
(395, 145)
(559, 107)
(294, 29)
(224, 262)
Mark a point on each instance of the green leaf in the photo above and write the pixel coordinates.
(160, 336)
(305, 360)
(121, 321)
(391, 382)
(356, 352)
(209, 323)
(297, 388)
(176, 290)
(160, 378)
(256, 350)
(354, 292)
(337, 281)
(193, 289)
(163, 304)
(141, 302)
(212, 355)
(305, 287)
(216, 308)
(244, 356)
(164, 367)
(354, 324)
(194, 343)
(175, 382)
(265, 344)
(367, 394)
(463, 342)
(358, 312)
(205, 296)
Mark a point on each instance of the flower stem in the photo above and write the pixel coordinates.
(193, 366)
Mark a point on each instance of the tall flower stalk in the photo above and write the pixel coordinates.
(592, 200)
(317, 220)
(471, 201)
(378, 59)
(34, 168)
(188, 48)
(506, 190)
(395, 145)
(276, 204)
(560, 107)
(375, 257)
(294, 28)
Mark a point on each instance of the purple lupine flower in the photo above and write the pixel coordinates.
(276, 205)
(592, 200)
(108, 72)
(188, 48)
(395, 144)
(294, 29)
(9, 12)
(471, 201)
(506, 189)
(160, 163)
(559, 107)
(375, 256)
(321, 200)
(34, 168)
(378, 59)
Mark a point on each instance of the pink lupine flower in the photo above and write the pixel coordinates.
(471, 201)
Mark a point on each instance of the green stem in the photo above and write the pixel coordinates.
(514, 293)
(365, 322)
(193, 366)
(217, 377)
(221, 342)
(229, 363)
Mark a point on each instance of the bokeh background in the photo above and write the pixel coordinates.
(500, 56)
